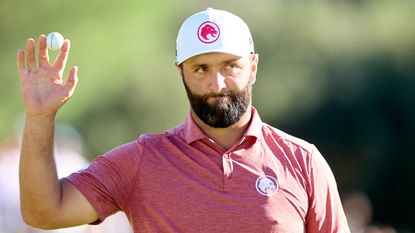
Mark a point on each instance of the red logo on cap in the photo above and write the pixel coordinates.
(208, 32)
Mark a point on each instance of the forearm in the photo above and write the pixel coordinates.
(40, 192)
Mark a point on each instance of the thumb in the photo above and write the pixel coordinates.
(72, 79)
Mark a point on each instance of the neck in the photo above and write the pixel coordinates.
(226, 137)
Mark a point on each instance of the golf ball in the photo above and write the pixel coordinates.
(54, 40)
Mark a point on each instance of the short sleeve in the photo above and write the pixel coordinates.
(108, 182)
(325, 214)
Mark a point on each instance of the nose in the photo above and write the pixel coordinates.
(217, 83)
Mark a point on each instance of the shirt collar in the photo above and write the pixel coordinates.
(192, 132)
(255, 126)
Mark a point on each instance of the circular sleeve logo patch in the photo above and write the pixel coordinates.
(208, 32)
(266, 185)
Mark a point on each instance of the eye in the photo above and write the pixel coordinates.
(232, 67)
(201, 69)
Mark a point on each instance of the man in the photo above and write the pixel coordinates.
(222, 170)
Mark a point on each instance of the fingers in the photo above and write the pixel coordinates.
(21, 67)
(43, 51)
(26, 61)
(30, 54)
(72, 79)
(62, 57)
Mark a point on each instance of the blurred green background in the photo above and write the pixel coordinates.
(340, 74)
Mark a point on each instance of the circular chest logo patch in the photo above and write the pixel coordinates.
(208, 32)
(266, 185)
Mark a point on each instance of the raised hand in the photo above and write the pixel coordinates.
(43, 88)
(45, 201)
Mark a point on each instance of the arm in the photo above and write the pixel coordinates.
(46, 202)
(325, 214)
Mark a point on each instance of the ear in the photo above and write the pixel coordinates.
(254, 66)
(180, 69)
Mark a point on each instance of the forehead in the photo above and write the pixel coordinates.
(212, 58)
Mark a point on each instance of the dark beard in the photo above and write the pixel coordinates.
(226, 110)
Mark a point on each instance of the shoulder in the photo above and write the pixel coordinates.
(134, 150)
(286, 139)
(130, 149)
(304, 153)
(159, 140)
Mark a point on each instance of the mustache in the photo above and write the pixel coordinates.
(221, 94)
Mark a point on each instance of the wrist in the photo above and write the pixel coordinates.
(40, 119)
(41, 116)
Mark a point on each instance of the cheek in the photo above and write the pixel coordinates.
(244, 79)
(192, 84)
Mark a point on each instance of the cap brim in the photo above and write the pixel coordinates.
(214, 50)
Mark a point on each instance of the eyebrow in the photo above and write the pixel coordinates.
(231, 60)
(198, 65)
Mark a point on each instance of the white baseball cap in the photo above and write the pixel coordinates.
(213, 30)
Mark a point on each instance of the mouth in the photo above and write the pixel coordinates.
(218, 99)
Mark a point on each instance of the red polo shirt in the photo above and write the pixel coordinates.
(182, 181)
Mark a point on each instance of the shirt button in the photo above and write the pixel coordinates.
(226, 156)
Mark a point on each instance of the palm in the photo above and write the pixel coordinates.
(43, 89)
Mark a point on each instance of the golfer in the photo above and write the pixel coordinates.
(222, 170)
